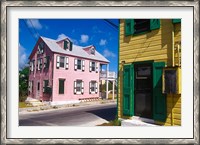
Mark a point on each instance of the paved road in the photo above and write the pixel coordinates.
(78, 116)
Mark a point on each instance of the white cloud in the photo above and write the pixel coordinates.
(108, 53)
(102, 42)
(23, 59)
(84, 38)
(61, 36)
(34, 23)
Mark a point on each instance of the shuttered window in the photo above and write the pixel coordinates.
(140, 26)
(62, 62)
(45, 84)
(93, 87)
(46, 61)
(79, 64)
(65, 45)
(61, 86)
(78, 87)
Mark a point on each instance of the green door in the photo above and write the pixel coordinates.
(159, 99)
(128, 90)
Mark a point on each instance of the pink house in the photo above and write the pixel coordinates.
(61, 72)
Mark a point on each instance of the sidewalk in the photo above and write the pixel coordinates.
(53, 107)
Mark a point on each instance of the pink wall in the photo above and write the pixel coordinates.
(40, 75)
(70, 76)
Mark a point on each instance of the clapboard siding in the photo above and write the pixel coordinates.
(155, 45)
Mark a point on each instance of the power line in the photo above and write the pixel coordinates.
(30, 31)
(111, 24)
(34, 28)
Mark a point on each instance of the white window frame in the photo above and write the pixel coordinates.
(95, 88)
(81, 87)
(66, 62)
(76, 64)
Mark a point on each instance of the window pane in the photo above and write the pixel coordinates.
(93, 66)
(62, 60)
(141, 25)
(93, 83)
(79, 64)
(78, 86)
(61, 86)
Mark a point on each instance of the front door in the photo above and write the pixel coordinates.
(143, 90)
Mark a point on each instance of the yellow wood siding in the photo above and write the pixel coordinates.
(155, 45)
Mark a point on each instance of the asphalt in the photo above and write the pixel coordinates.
(83, 114)
(47, 107)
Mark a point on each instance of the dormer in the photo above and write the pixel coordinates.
(90, 50)
(65, 44)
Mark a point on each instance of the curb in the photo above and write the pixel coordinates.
(53, 107)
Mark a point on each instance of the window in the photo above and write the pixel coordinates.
(62, 62)
(78, 87)
(39, 64)
(65, 45)
(41, 48)
(46, 61)
(93, 87)
(30, 87)
(45, 84)
(92, 51)
(140, 26)
(79, 64)
(61, 86)
(93, 66)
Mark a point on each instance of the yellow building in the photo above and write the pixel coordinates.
(149, 84)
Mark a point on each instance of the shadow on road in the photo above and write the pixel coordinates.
(107, 114)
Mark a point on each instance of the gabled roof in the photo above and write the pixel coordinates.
(76, 50)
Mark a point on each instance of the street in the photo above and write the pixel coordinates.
(91, 115)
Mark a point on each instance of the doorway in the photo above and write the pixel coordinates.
(143, 90)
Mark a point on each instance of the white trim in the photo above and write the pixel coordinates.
(75, 64)
(83, 65)
(90, 66)
(58, 61)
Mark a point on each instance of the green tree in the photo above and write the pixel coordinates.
(23, 84)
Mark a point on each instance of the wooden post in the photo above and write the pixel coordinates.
(113, 90)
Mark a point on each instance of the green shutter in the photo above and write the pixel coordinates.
(159, 99)
(70, 47)
(176, 20)
(65, 45)
(154, 24)
(128, 90)
(129, 27)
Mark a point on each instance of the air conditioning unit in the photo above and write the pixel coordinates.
(171, 80)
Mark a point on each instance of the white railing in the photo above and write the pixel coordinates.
(103, 74)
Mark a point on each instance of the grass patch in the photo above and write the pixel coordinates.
(115, 122)
(23, 105)
(110, 95)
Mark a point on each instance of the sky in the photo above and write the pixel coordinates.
(83, 32)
